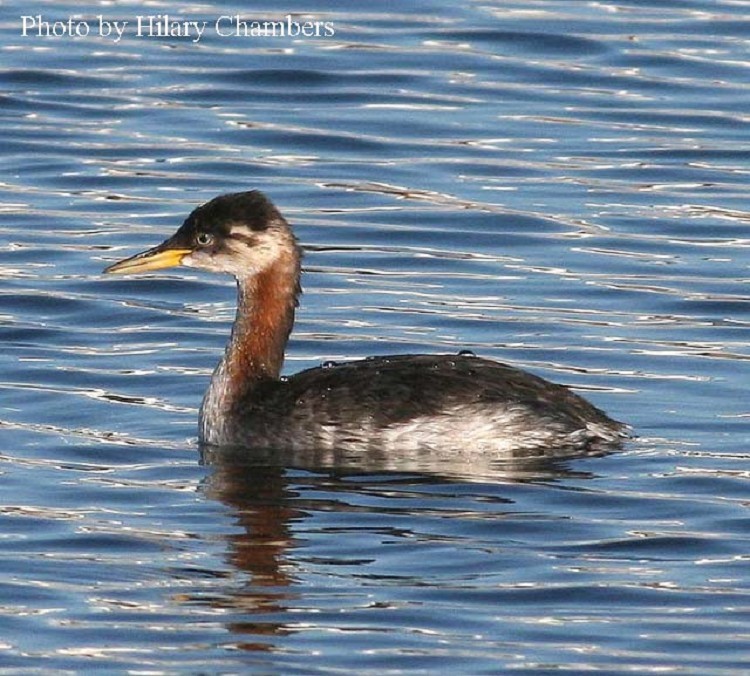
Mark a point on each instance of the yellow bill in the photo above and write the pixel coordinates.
(154, 259)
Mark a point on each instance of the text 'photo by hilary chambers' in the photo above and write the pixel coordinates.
(172, 26)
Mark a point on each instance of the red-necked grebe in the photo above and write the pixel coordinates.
(442, 402)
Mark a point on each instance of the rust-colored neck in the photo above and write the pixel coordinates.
(265, 314)
(266, 302)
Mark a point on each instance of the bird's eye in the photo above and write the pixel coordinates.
(204, 239)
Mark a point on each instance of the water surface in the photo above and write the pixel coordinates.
(561, 185)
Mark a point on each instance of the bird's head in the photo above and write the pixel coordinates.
(241, 234)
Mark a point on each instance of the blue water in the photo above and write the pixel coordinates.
(557, 184)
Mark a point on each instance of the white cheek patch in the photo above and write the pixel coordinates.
(242, 253)
(266, 249)
(208, 261)
(189, 261)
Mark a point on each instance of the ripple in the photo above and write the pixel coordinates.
(559, 185)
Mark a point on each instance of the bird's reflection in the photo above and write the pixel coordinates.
(264, 492)
(262, 501)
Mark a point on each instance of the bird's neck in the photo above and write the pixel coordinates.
(266, 302)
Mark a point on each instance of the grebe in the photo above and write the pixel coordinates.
(459, 402)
